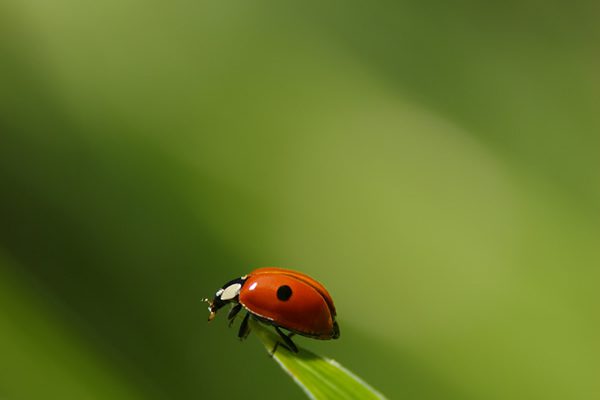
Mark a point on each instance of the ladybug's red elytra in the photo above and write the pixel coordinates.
(282, 298)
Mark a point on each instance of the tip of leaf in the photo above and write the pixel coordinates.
(318, 377)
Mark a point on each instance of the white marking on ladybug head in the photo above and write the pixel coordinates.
(230, 291)
(219, 292)
(253, 286)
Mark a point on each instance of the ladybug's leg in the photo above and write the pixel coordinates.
(233, 312)
(244, 328)
(287, 339)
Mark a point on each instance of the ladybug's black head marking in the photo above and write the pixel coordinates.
(284, 293)
(227, 294)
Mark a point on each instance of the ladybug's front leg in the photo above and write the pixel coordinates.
(233, 312)
(244, 327)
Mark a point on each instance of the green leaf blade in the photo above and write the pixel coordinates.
(319, 377)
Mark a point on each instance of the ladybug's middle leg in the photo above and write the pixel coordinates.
(287, 339)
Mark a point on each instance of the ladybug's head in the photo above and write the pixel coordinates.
(227, 294)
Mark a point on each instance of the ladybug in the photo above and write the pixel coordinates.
(282, 298)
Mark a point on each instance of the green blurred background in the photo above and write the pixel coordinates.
(435, 164)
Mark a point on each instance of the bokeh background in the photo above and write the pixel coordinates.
(435, 164)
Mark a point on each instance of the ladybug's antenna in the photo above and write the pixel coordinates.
(212, 314)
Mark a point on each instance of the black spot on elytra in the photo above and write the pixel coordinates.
(284, 292)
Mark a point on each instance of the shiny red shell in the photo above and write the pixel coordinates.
(309, 310)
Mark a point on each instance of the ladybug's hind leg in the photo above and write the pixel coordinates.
(287, 342)
(244, 327)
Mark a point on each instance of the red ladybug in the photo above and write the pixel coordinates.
(280, 297)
